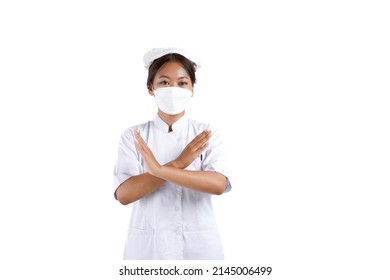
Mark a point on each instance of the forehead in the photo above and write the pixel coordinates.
(172, 69)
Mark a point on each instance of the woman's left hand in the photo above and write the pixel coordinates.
(152, 164)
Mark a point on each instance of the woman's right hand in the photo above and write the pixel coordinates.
(192, 150)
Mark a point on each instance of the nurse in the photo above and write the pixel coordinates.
(169, 168)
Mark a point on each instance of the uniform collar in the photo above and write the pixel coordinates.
(176, 126)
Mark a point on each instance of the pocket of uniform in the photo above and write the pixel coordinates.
(202, 243)
(192, 228)
(139, 231)
(139, 244)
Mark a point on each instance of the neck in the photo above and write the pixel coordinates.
(170, 119)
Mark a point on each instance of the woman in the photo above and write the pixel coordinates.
(169, 168)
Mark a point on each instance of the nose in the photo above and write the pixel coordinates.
(175, 84)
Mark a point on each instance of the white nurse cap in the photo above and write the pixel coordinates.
(152, 55)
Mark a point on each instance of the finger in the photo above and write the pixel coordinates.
(140, 144)
(136, 144)
(203, 134)
(139, 148)
(139, 138)
(201, 138)
(203, 147)
(201, 141)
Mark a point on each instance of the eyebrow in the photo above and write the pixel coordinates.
(180, 78)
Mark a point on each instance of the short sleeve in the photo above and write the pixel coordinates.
(215, 159)
(128, 162)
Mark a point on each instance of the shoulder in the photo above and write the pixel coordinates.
(202, 126)
(199, 126)
(128, 133)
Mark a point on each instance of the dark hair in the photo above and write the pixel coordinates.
(188, 65)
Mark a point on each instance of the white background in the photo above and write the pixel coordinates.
(299, 89)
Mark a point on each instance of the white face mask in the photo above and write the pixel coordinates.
(172, 100)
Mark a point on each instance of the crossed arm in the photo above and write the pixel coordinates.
(139, 186)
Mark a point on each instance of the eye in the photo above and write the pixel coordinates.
(164, 83)
(182, 84)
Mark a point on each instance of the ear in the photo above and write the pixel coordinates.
(150, 90)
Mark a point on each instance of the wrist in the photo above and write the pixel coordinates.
(174, 164)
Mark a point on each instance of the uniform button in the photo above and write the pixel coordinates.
(177, 208)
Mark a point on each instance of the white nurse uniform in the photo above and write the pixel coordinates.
(173, 222)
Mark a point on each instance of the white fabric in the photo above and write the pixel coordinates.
(172, 100)
(173, 222)
(155, 53)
